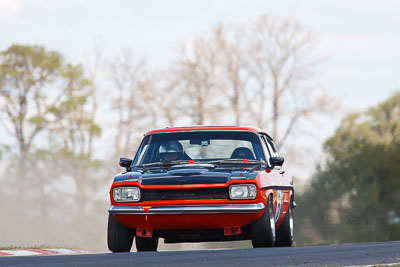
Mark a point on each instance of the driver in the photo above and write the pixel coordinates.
(170, 151)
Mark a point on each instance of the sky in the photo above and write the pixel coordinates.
(359, 41)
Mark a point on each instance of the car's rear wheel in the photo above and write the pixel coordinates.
(284, 235)
(119, 237)
(263, 230)
(146, 243)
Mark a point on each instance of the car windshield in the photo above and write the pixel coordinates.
(201, 146)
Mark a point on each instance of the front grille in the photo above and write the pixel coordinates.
(184, 194)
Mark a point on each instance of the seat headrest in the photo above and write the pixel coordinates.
(242, 153)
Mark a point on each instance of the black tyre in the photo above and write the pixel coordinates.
(284, 235)
(119, 237)
(146, 243)
(263, 230)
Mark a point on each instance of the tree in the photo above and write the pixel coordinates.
(163, 100)
(44, 96)
(261, 73)
(132, 84)
(194, 74)
(41, 92)
(94, 66)
(27, 76)
(283, 67)
(378, 125)
(233, 68)
(354, 198)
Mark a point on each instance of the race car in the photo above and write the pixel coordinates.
(200, 184)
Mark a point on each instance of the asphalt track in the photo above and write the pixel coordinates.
(327, 255)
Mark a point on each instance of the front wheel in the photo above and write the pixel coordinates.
(263, 230)
(119, 237)
(284, 235)
(146, 244)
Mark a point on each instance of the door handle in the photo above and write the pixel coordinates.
(281, 171)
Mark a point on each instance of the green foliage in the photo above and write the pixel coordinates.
(41, 92)
(30, 64)
(377, 125)
(355, 197)
(38, 120)
(95, 129)
(24, 73)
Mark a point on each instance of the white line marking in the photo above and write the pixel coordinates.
(372, 265)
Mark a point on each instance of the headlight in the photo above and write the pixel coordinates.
(243, 191)
(126, 194)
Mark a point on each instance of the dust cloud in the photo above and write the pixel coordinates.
(44, 208)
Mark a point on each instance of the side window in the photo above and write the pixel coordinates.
(142, 150)
(272, 148)
(141, 153)
(265, 148)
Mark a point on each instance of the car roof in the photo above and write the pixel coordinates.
(205, 128)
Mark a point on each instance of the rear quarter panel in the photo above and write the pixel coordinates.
(274, 182)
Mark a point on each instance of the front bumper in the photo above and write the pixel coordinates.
(188, 209)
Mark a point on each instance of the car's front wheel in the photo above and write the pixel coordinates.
(263, 230)
(146, 243)
(284, 235)
(119, 237)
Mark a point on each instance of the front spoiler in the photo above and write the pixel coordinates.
(188, 209)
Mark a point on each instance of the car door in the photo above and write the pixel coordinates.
(280, 182)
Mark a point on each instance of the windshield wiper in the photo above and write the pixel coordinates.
(239, 162)
(161, 164)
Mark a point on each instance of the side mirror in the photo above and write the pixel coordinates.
(276, 161)
(125, 162)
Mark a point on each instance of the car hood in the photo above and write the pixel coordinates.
(186, 175)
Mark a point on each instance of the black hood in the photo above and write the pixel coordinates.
(185, 175)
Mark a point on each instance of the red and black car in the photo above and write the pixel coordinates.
(199, 184)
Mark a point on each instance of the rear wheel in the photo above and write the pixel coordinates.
(284, 235)
(263, 230)
(146, 244)
(119, 237)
